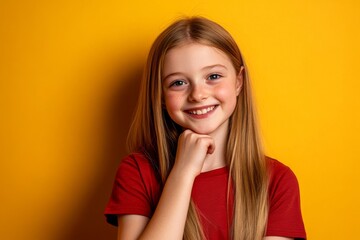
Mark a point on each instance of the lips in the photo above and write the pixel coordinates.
(202, 110)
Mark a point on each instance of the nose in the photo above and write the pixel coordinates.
(198, 93)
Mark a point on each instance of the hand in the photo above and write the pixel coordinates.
(191, 152)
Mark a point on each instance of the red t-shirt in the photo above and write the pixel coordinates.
(136, 190)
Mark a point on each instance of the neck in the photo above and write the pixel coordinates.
(217, 158)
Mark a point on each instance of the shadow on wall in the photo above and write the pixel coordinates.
(89, 222)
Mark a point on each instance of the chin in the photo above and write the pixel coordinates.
(202, 131)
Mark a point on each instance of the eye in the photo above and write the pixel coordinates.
(214, 76)
(177, 83)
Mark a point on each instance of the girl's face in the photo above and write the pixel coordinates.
(200, 87)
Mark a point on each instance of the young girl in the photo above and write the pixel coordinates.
(197, 169)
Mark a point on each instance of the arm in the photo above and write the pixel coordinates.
(169, 218)
(134, 225)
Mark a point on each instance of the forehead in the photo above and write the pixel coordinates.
(192, 57)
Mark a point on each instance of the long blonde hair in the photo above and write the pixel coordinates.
(155, 134)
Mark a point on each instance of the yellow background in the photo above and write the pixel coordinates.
(69, 75)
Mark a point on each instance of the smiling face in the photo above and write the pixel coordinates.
(200, 87)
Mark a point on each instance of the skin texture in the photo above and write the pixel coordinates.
(197, 79)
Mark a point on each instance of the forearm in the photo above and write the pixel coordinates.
(169, 218)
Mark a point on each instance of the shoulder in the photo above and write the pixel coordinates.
(277, 167)
(283, 182)
(280, 174)
(137, 165)
(135, 159)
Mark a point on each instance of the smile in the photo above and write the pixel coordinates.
(202, 111)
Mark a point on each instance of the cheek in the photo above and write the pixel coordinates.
(172, 102)
(227, 93)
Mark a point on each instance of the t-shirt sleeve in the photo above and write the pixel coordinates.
(285, 217)
(132, 191)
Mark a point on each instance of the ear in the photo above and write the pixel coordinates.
(240, 80)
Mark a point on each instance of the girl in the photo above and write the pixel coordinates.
(197, 169)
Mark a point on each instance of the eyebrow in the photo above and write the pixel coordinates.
(204, 68)
(213, 66)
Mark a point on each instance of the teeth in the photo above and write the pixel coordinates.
(202, 111)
